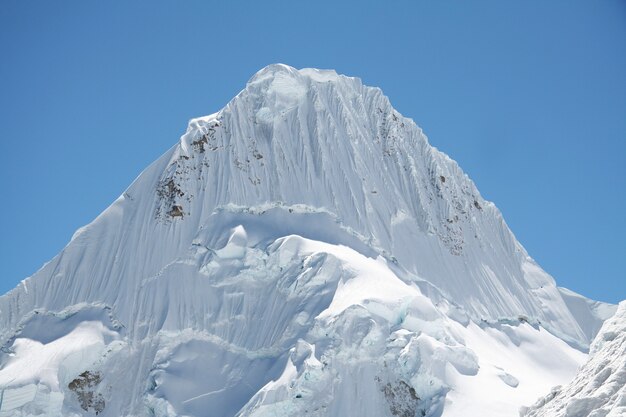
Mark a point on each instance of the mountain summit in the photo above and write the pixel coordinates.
(302, 251)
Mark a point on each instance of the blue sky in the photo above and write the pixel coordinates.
(529, 97)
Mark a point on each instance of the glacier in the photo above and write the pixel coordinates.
(304, 250)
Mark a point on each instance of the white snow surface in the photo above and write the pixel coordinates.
(303, 251)
(599, 388)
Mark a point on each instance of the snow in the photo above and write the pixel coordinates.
(471, 360)
(302, 250)
(48, 353)
(236, 246)
(35, 361)
(515, 363)
(599, 387)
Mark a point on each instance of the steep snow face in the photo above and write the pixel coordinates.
(599, 388)
(325, 141)
(316, 138)
(302, 227)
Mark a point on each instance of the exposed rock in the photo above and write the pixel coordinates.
(84, 386)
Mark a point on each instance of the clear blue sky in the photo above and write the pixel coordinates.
(529, 97)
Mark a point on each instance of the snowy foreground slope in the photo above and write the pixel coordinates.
(599, 388)
(304, 251)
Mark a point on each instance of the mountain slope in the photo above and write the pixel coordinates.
(599, 388)
(305, 224)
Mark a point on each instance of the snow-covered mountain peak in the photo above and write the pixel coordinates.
(325, 141)
(279, 88)
(310, 141)
(316, 74)
(302, 250)
(283, 77)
